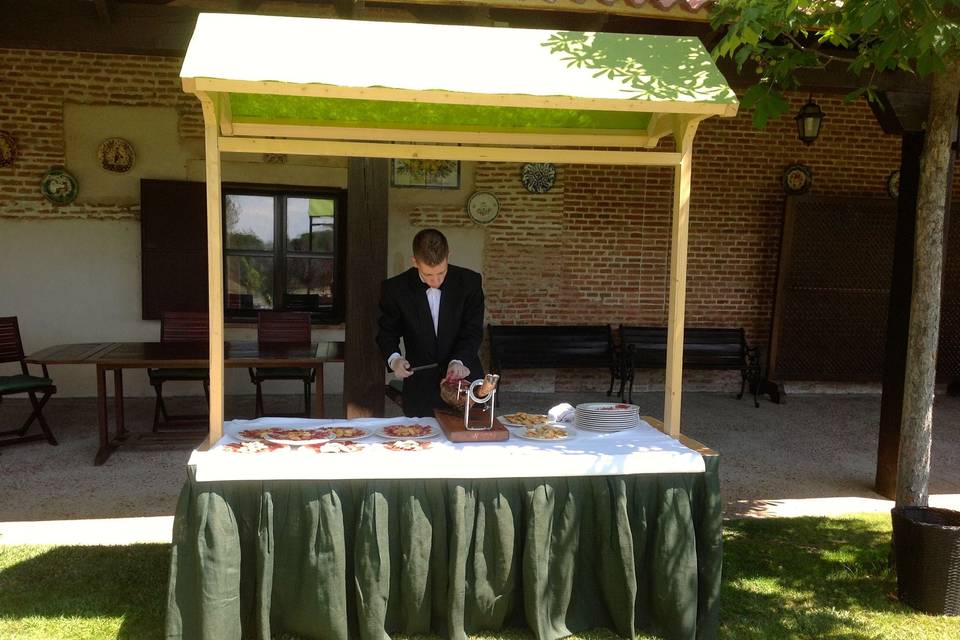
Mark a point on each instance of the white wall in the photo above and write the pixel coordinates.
(79, 281)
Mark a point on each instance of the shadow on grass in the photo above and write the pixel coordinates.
(80, 582)
(783, 578)
(807, 577)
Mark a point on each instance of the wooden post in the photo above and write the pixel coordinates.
(214, 265)
(898, 317)
(364, 369)
(684, 130)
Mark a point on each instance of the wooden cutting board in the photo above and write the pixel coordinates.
(452, 425)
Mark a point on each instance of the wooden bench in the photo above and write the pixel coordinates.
(553, 346)
(717, 349)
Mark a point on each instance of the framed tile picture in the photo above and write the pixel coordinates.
(425, 174)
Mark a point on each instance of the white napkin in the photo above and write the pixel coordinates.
(563, 412)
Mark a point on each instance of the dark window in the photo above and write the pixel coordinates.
(283, 250)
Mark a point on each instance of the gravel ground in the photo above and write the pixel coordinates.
(816, 451)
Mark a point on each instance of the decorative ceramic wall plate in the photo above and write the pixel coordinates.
(893, 184)
(483, 207)
(797, 179)
(116, 155)
(8, 149)
(59, 186)
(538, 177)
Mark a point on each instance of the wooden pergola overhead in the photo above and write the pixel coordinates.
(397, 90)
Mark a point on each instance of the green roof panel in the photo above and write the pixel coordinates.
(406, 115)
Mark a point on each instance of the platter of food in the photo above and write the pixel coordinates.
(407, 445)
(346, 432)
(253, 447)
(522, 419)
(254, 435)
(545, 432)
(335, 446)
(408, 431)
(295, 437)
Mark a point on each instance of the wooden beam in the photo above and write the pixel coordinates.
(834, 78)
(561, 137)
(901, 112)
(612, 7)
(225, 114)
(143, 29)
(480, 154)
(683, 132)
(349, 9)
(686, 441)
(214, 265)
(104, 10)
(476, 15)
(364, 368)
(661, 124)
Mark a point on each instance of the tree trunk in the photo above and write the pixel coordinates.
(916, 424)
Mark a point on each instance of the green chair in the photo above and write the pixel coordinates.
(11, 350)
(283, 327)
(180, 326)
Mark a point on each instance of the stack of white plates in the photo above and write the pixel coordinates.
(607, 416)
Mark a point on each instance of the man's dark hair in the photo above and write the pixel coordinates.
(430, 246)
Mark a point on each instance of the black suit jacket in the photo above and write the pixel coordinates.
(405, 313)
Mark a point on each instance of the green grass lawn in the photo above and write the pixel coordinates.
(783, 578)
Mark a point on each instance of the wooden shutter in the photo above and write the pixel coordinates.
(173, 241)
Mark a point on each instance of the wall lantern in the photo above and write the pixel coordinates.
(808, 121)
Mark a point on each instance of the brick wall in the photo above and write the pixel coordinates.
(595, 249)
(34, 85)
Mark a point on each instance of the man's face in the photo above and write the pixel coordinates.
(434, 275)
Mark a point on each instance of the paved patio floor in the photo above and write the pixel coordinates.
(813, 455)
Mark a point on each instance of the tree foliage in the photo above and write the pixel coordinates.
(866, 37)
(869, 38)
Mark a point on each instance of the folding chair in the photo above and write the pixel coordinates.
(11, 350)
(180, 326)
(283, 327)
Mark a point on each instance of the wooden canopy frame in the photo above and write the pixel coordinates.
(320, 87)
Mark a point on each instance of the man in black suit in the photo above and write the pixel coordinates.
(437, 308)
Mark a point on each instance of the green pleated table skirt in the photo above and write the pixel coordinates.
(368, 558)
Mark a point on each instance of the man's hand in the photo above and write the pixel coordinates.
(401, 368)
(456, 371)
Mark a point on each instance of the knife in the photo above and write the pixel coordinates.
(424, 366)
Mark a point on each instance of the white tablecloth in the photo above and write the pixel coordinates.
(640, 450)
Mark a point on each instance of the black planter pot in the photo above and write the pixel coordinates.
(926, 544)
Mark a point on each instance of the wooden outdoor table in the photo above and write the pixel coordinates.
(117, 356)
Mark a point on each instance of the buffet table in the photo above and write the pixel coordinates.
(617, 530)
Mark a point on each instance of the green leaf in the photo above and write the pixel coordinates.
(871, 15)
(929, 62)
(856, 93)
(767, 103)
